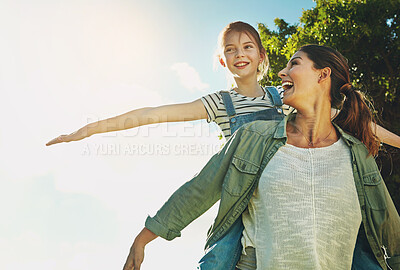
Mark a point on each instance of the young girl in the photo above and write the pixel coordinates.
(241, 51)
(309, 194)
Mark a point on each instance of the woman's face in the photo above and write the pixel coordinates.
(241, 55)
(300, 81)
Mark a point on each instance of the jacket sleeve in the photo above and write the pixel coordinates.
(382, 217)
(392, 235)
(196, 196)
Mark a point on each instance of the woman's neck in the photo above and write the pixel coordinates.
(312, 128)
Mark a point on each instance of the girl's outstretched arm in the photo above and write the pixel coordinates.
(386, 136)
(136, 253)
(383, 134)
(150, 115)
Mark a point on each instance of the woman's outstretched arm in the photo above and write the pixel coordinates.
(144, 116)
(136, 253)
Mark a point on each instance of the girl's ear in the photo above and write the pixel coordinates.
(262, 55)
(221, 61)
(324, 74)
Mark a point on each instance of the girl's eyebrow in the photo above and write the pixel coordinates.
(247, 42)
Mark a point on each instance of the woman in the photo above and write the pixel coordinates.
(305, 189)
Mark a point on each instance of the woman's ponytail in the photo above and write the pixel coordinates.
(354, 116)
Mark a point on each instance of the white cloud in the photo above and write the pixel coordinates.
(189, 77)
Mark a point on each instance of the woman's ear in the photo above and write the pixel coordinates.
(324, 74)
(221, 61)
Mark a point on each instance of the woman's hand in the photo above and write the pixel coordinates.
(135, 257)
(136, 253)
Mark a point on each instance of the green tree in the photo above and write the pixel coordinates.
(367, 33)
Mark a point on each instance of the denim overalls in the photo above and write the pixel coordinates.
(274, 113)
(225, 253)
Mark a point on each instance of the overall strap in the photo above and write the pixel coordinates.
(226, 97)
(273, 93)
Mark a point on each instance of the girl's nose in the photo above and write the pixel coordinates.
(239, 52)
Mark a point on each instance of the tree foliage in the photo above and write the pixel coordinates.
(367, 33)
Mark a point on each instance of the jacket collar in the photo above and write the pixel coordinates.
(280, 131)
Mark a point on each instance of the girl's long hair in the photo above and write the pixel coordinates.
(355, 116)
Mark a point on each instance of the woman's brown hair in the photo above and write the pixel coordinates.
(354, 117)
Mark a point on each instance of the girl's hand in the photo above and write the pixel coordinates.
(135, 257)
(75, 136)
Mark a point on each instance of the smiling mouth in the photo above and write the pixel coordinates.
(287, 85)
(241, 64)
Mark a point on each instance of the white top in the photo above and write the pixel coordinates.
(216, 110)
(305, 212)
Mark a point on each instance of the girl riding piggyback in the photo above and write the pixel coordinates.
(241, 52)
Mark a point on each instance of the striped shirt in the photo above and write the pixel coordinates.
(243, 105)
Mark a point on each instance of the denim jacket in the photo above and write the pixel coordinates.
(232, 176)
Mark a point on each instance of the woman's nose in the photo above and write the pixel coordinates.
(282, 73)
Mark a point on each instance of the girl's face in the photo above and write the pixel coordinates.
(241, 55)
(300, 81)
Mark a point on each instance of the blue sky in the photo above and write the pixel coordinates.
(66, 63)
